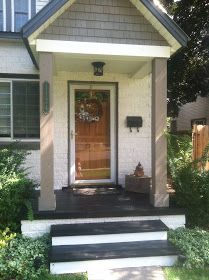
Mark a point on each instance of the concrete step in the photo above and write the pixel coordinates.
(108, 232)
(81, 258)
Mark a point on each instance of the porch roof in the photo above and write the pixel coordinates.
(56, 7)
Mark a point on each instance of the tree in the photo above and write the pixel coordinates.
(188, 69)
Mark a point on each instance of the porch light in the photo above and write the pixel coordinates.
(46, 98)
(98, 68)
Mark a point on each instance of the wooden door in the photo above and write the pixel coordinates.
(92, 135)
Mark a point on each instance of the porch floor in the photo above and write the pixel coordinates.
(71, 205)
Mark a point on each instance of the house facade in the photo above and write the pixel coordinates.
(65, 111)
(193, 113)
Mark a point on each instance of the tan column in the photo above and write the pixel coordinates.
(47, 200)
(159, 196)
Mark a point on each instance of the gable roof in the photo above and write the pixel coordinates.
(56, 7)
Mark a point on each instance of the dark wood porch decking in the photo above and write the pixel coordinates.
(122, 204)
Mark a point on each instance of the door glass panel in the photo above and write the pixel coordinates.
(92, 134)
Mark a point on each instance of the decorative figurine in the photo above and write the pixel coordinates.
(139, 171)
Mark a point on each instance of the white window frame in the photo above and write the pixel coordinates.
(13, 13)
(4, 14)
(12, 139)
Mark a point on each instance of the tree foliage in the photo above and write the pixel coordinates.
(188, 69)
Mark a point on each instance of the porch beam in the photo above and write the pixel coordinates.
(143, 71)
(47, 200)
(159, 196)
(105, 49)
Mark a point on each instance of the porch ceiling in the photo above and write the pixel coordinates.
(72, 63)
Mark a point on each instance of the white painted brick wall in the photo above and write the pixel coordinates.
(32, 165)
(134, 99)
(15, 59)
(37, 228)
(40, 4)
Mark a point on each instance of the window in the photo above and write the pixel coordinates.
(201, 121)
(2, 15)
(19, 110)
(5, 110)
(21, 13)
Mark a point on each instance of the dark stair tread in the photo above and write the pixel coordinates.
(86, 252)
(108, 228)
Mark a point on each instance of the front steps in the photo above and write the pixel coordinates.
(90, 246)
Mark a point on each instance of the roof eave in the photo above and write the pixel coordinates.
(167, 22)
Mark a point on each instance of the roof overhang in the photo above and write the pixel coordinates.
(172, 33)
(102, 49)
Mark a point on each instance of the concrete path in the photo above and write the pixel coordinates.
(138, 273)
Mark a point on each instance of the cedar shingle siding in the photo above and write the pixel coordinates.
(110, 21)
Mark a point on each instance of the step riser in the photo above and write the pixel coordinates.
(108, 238)
(83, 266)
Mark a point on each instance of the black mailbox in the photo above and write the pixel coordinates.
(134, 122)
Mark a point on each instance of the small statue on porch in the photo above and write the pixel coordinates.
(139, 171)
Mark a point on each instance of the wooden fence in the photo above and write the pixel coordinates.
(200, 139)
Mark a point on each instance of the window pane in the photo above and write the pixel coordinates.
(26, 119)
(20, 20)
(5, 110)
(20, 13)
(1, 16)
(21, 6)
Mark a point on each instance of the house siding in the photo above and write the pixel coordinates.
(40, 4)
(32, 165)
(134, 98)
(112, 21)
(192, 110)
(15, 58)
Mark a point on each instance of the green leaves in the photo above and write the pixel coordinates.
(15, 189)
(24, 259)
(194, 244)
(190, 182)
(188, 69)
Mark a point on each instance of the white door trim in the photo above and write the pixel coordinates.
(99, 86)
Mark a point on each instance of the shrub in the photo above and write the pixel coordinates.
(5, 237)
(15, 188)
(194, 244)
(24, 259)
(189, 181)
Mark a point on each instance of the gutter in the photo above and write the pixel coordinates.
(27, 45)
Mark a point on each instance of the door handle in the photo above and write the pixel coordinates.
(72, 134)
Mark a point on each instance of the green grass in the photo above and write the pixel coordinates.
(78, 276)
(175, 273)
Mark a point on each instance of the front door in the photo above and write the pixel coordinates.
(92, 133)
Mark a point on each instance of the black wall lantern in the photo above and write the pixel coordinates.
(46, 97)
(98, 68)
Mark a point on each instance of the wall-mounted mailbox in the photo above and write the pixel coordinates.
(134, 122)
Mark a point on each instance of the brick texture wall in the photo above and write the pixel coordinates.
(15, 58)
(32, 165)
(112, 21)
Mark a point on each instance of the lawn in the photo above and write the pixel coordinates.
(175, 273)
(78, 276)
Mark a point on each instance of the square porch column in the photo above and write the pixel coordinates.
(47, 199)
(159, 196)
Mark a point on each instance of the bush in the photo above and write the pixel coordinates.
(194, 244)
(15, 188)
(5, 237)
(24, 259)
(189, 181)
